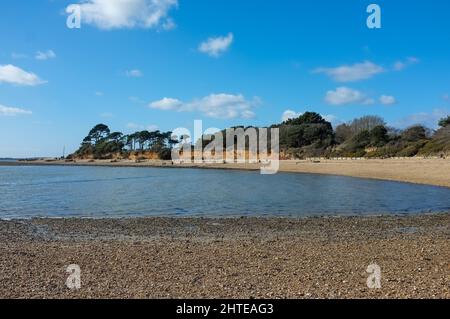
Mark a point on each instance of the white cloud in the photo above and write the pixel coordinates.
(216, 46)
(15, 75)
(387, 100)
(167, 104)
(117, 14)
(333, 119)
(222, 106)
(290, 114)
(134, 73)
(99, 93)
(344, 95)
(352, 73)
(50, 54)
(169, 24)
(12, 111)
(401, 65)
(428, 119)
(134, 126)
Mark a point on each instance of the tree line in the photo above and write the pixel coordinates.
(308, 135)
(369, 136)
(101, 143)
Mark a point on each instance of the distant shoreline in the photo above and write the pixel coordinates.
(431, 171)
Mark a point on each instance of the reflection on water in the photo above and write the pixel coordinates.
(118, 192)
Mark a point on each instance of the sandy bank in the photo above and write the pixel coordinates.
(245, 258)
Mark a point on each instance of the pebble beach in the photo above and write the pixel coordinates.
(318, 257)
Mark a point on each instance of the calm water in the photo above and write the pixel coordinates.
(117, 192)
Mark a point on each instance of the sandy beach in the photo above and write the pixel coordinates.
(431, 171)
(229, 258)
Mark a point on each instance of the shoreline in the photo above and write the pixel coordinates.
(434, 171)
(424, 213)
(313, 257)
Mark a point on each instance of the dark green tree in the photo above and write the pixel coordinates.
(444, 122)
(99, 132)
(144, 137)
(308, 129)
(414, 133)
(306, 118)
(379, 136)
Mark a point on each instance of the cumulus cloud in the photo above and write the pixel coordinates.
(49, 54)
(387, 100)
(221, 106)
(12, 111)
(344, 95)
(134, 73)
(333, 119)
(401, 65)
(216, 46)
(167, 104)
(290, 114)
(117, 14)
(428, 119)
(352, 73)
(15, 75)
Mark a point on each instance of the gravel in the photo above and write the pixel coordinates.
(320, 257)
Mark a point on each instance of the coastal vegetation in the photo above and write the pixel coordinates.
(309, 135)
(101, 143)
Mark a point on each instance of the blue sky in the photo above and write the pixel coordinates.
(166, 63)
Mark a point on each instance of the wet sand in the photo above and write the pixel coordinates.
(227, 258)
(432, 171)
